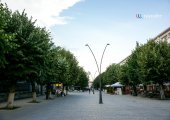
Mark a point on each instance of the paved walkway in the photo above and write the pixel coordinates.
(84, 106)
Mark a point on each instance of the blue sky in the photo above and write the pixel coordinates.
(98, 22)
(74, 23)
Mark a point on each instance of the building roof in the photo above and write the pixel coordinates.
(124, 60)
(162, 33)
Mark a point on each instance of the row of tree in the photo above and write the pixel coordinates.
(28, 54)
(148, 64)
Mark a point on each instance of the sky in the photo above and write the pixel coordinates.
(74, 23)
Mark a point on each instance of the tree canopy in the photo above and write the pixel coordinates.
(28, 53)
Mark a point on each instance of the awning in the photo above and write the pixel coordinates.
(107, 85)
(117, 84)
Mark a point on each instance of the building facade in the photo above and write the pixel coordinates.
(164, 35)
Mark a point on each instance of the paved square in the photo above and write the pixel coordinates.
(84, 106)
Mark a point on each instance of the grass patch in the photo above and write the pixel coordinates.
(5, 108)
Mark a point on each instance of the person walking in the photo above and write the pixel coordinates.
(93, 90)
(89, 90)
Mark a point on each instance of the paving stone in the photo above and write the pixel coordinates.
(84, 106)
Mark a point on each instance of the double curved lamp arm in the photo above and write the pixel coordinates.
(99, 69)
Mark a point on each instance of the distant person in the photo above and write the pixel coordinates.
(62, 93)
(89, 90)
(93, 90)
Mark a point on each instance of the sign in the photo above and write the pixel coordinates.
(58, 84)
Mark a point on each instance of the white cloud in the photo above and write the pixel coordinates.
(47, 12)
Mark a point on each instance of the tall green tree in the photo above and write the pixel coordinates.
(155, 63)
(133, 69)
(61, 66)
(98, 79)
(10, 71)
(82, 79)
(6, 38)
(26, 52)
(124, 79)
(112, 74)
(72, 67)
(36, 49)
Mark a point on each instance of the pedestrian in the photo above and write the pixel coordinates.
(62, 93)
(89, 90)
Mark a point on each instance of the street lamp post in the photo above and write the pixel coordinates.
(99, 70)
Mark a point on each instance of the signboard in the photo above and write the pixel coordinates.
(58, 84)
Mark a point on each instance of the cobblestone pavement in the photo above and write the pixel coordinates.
(84, 106)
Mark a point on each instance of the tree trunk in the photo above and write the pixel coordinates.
(41, 89)
(162, 94)
(34, 95)
(47, 92)
(50, 95)
(66, 90)
(145, 90)
(10, 102)
(134, 91)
